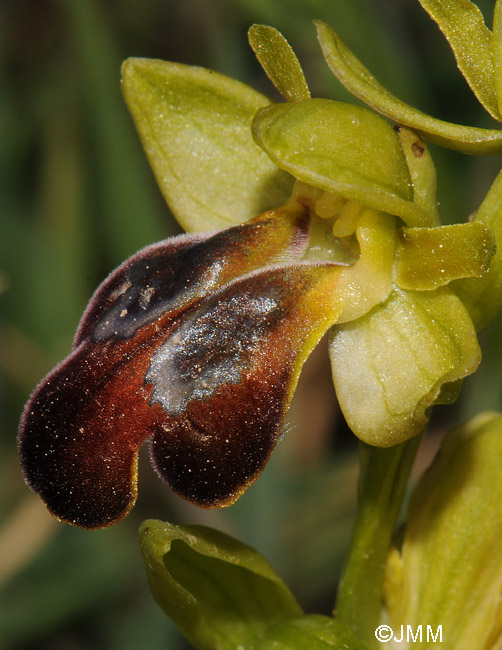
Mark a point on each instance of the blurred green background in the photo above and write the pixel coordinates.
(77, 197)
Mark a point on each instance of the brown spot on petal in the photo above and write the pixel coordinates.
(418, 149)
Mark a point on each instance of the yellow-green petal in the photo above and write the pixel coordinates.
(360, 82)
(448, 571)
(279, 61)
(427, 258)
(463, 25)
(195, 128)
(389, 366)
(483, 296)
(343, 149)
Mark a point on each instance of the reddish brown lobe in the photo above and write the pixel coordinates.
(83, 426)
(211, 451)
(171, 274)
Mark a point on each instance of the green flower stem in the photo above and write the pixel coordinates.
(383, 478)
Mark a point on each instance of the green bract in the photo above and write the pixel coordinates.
(220, 592)
(223, 594)
(448, 569)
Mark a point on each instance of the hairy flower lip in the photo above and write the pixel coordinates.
(203, 365)
(119, 285)
(218, 250)
(82, 427)
(196, 338)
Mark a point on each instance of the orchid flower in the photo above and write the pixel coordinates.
(197, 342)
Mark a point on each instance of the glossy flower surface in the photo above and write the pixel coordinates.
(196, 343)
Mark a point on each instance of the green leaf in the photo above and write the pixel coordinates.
(195, 128)
(310, 633)
(340, 148)
(422, 173)
(448, 571)
(427, 258)
(279, 61)
(219, 592)
(464, 27)
(483, 296)
(389, 366)
(360, 82)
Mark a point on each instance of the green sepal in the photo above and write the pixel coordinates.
(463, 25)
(360, 82)
(220, 592)
(497, 51)
(448, 569)
(195, 128)
(343, 149)
(427, 258)
(422, 173)
(483, 296)
(277, 58)
(312, 632)
(389, 366)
